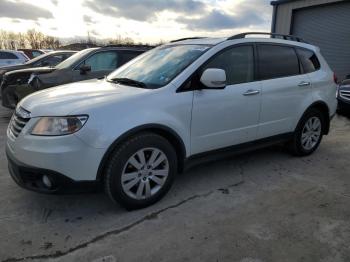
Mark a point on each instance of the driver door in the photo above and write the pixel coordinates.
(102, 63)
(230, 116)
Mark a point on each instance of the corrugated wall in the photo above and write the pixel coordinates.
(284, 13)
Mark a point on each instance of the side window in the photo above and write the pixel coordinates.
(6, 55)
(238, 63)
(277, 61)
(36, 53)
(308, 60)
(52, 60)
(103, 61)
(127, 56)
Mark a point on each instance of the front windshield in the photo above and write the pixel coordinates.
(73, 59)
(159, 66)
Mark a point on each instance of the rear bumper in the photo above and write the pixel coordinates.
(31, 178)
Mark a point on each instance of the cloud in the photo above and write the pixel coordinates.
(88, 19)
(218, 20)
(22, 11)
(144, 10)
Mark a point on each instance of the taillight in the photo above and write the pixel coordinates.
(335, 78)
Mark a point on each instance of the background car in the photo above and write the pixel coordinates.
(49, 59)
(87, 64)
(10, 57)
(344, 97)
(32, 53)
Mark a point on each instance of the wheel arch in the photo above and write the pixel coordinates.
(324, 109)
(164, 131)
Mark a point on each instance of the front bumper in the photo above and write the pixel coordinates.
(31, 178)
(70, 163)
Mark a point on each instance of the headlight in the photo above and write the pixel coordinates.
(58, 126)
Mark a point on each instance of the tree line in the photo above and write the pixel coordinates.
(37, 40)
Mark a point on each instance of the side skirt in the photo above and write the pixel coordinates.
(226, 152)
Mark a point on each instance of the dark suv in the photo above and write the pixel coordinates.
(86, 64)
(49, 59)
(344, 96)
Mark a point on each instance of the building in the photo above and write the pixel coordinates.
(324, 23)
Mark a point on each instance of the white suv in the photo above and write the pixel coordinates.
(134, 130)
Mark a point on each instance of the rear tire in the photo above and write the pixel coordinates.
(308, 134)
(140, 171)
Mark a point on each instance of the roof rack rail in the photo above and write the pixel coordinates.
(273, 35)
(127, 45)
(187, 38)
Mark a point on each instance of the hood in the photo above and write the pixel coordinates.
(37, 70)
(77, 98)
(5, 69)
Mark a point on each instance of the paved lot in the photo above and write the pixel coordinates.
(261, 206)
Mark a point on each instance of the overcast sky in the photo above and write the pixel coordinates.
(142, 20)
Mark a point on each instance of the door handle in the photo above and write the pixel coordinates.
(304, 83)
(251, 92)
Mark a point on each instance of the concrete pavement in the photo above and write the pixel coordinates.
(261, 206)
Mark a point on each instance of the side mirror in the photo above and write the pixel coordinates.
(214, 78)
(84, 69)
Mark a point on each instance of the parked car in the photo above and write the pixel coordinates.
(10, 57)
(134, 130)
(86, 64)
(32, 53)
(344, 96)
(49, 59)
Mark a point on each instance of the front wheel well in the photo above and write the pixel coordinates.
(172, 137)
(323, 108)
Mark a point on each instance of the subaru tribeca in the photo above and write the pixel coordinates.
(134, 130)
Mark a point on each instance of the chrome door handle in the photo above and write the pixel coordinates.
(304, 83)
(251, 92)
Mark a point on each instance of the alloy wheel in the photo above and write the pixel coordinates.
(145, 173)
(311, 133)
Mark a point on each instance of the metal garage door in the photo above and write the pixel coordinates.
(328, 27)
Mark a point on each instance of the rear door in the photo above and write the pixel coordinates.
(102, 63)
(283, 88)
(230, 116)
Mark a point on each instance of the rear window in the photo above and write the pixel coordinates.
(6, 55)
(309, 60)
(277, 61)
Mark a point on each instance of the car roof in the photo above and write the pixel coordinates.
(217, 41)
(11, 51)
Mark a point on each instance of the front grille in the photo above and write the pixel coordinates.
(18, 123)
(345, 94)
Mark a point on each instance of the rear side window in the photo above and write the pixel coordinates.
(277, 61)
(238, 63)
(309, 60)
(6, 55)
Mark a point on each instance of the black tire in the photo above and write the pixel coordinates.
(295, 146)
(120, 157)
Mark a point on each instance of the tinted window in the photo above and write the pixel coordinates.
(6, 55)
(52, 60)
(127, 56)
(103, 61)
(238, 63)
(308, 60)
(277, 61)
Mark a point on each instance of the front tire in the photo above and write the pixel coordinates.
(141, 171)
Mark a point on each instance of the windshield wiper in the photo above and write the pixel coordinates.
(128, 81)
